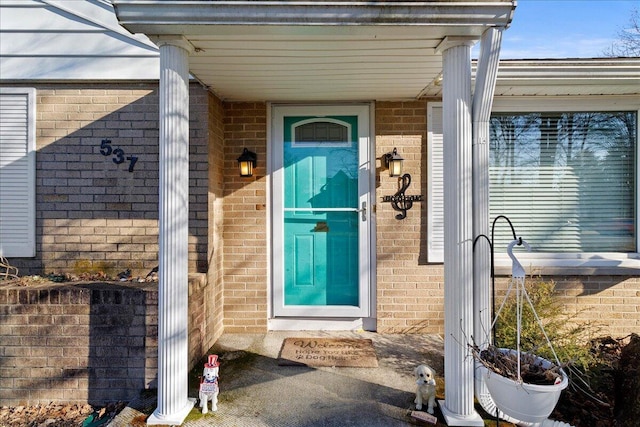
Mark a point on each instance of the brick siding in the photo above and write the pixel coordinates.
(94, 214)
(610, 303)
(410, 292)
(91, 213)
(215, 214)
(90, 342)
(245, 220)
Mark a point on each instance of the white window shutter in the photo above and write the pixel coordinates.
(435, 201)
(17, 172)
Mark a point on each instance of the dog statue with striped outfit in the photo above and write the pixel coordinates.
(209, 384)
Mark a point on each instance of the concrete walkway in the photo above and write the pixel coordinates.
(255, 391)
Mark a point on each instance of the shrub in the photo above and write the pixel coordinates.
(567, 335)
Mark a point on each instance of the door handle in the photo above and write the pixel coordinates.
(364, 211)
(321, 227)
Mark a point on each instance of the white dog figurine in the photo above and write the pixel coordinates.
(209, 384)
(426, 387)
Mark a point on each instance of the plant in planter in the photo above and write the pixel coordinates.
(529, 393)
(534, 370)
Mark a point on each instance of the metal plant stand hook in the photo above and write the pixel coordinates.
(518, 279)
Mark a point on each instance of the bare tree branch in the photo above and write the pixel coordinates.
(628, 42)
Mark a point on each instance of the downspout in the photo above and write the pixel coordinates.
(486, 75)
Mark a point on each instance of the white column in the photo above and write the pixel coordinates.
(173, 363)
(458, 407)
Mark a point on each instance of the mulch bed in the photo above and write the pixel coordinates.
(58, 415)
(609, 396)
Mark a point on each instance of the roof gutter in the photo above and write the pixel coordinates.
(148, 16)
(594, 68)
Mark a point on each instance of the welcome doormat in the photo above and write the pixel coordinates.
(317, 352)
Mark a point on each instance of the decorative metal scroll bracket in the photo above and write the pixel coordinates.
(400, 201)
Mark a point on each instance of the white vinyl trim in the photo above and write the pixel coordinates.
(517, 104)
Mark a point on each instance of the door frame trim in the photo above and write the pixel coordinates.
(364, 315)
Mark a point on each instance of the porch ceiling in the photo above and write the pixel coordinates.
(315, 50)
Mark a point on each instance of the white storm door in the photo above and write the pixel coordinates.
(321, 172)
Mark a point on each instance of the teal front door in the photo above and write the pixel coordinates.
(320, 216)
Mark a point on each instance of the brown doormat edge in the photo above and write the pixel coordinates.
(317, 352)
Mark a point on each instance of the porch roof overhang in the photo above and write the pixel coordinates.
(562, 77)
(315, 50)
(569, 77)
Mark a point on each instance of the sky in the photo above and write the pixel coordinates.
(564, 28)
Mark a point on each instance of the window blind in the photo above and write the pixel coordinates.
(565, 180)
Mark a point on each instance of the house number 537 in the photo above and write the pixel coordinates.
(118, 154)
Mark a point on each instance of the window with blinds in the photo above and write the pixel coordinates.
(17, 172)
(321, 132)
(566, 180)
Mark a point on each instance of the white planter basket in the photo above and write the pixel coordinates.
(531, 403)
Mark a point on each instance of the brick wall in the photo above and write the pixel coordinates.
(610, 303)
(410, 293)
(91, 342)
(93, 214)
(215, 251)
(203, 331)
(200, 142)
(245, 221)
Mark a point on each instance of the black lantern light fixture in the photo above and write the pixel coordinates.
(394, 161)
(246, 162)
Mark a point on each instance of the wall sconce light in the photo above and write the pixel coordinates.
(394, 161)
(246, 162)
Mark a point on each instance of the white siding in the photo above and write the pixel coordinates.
(17, 172)
(71, 40)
